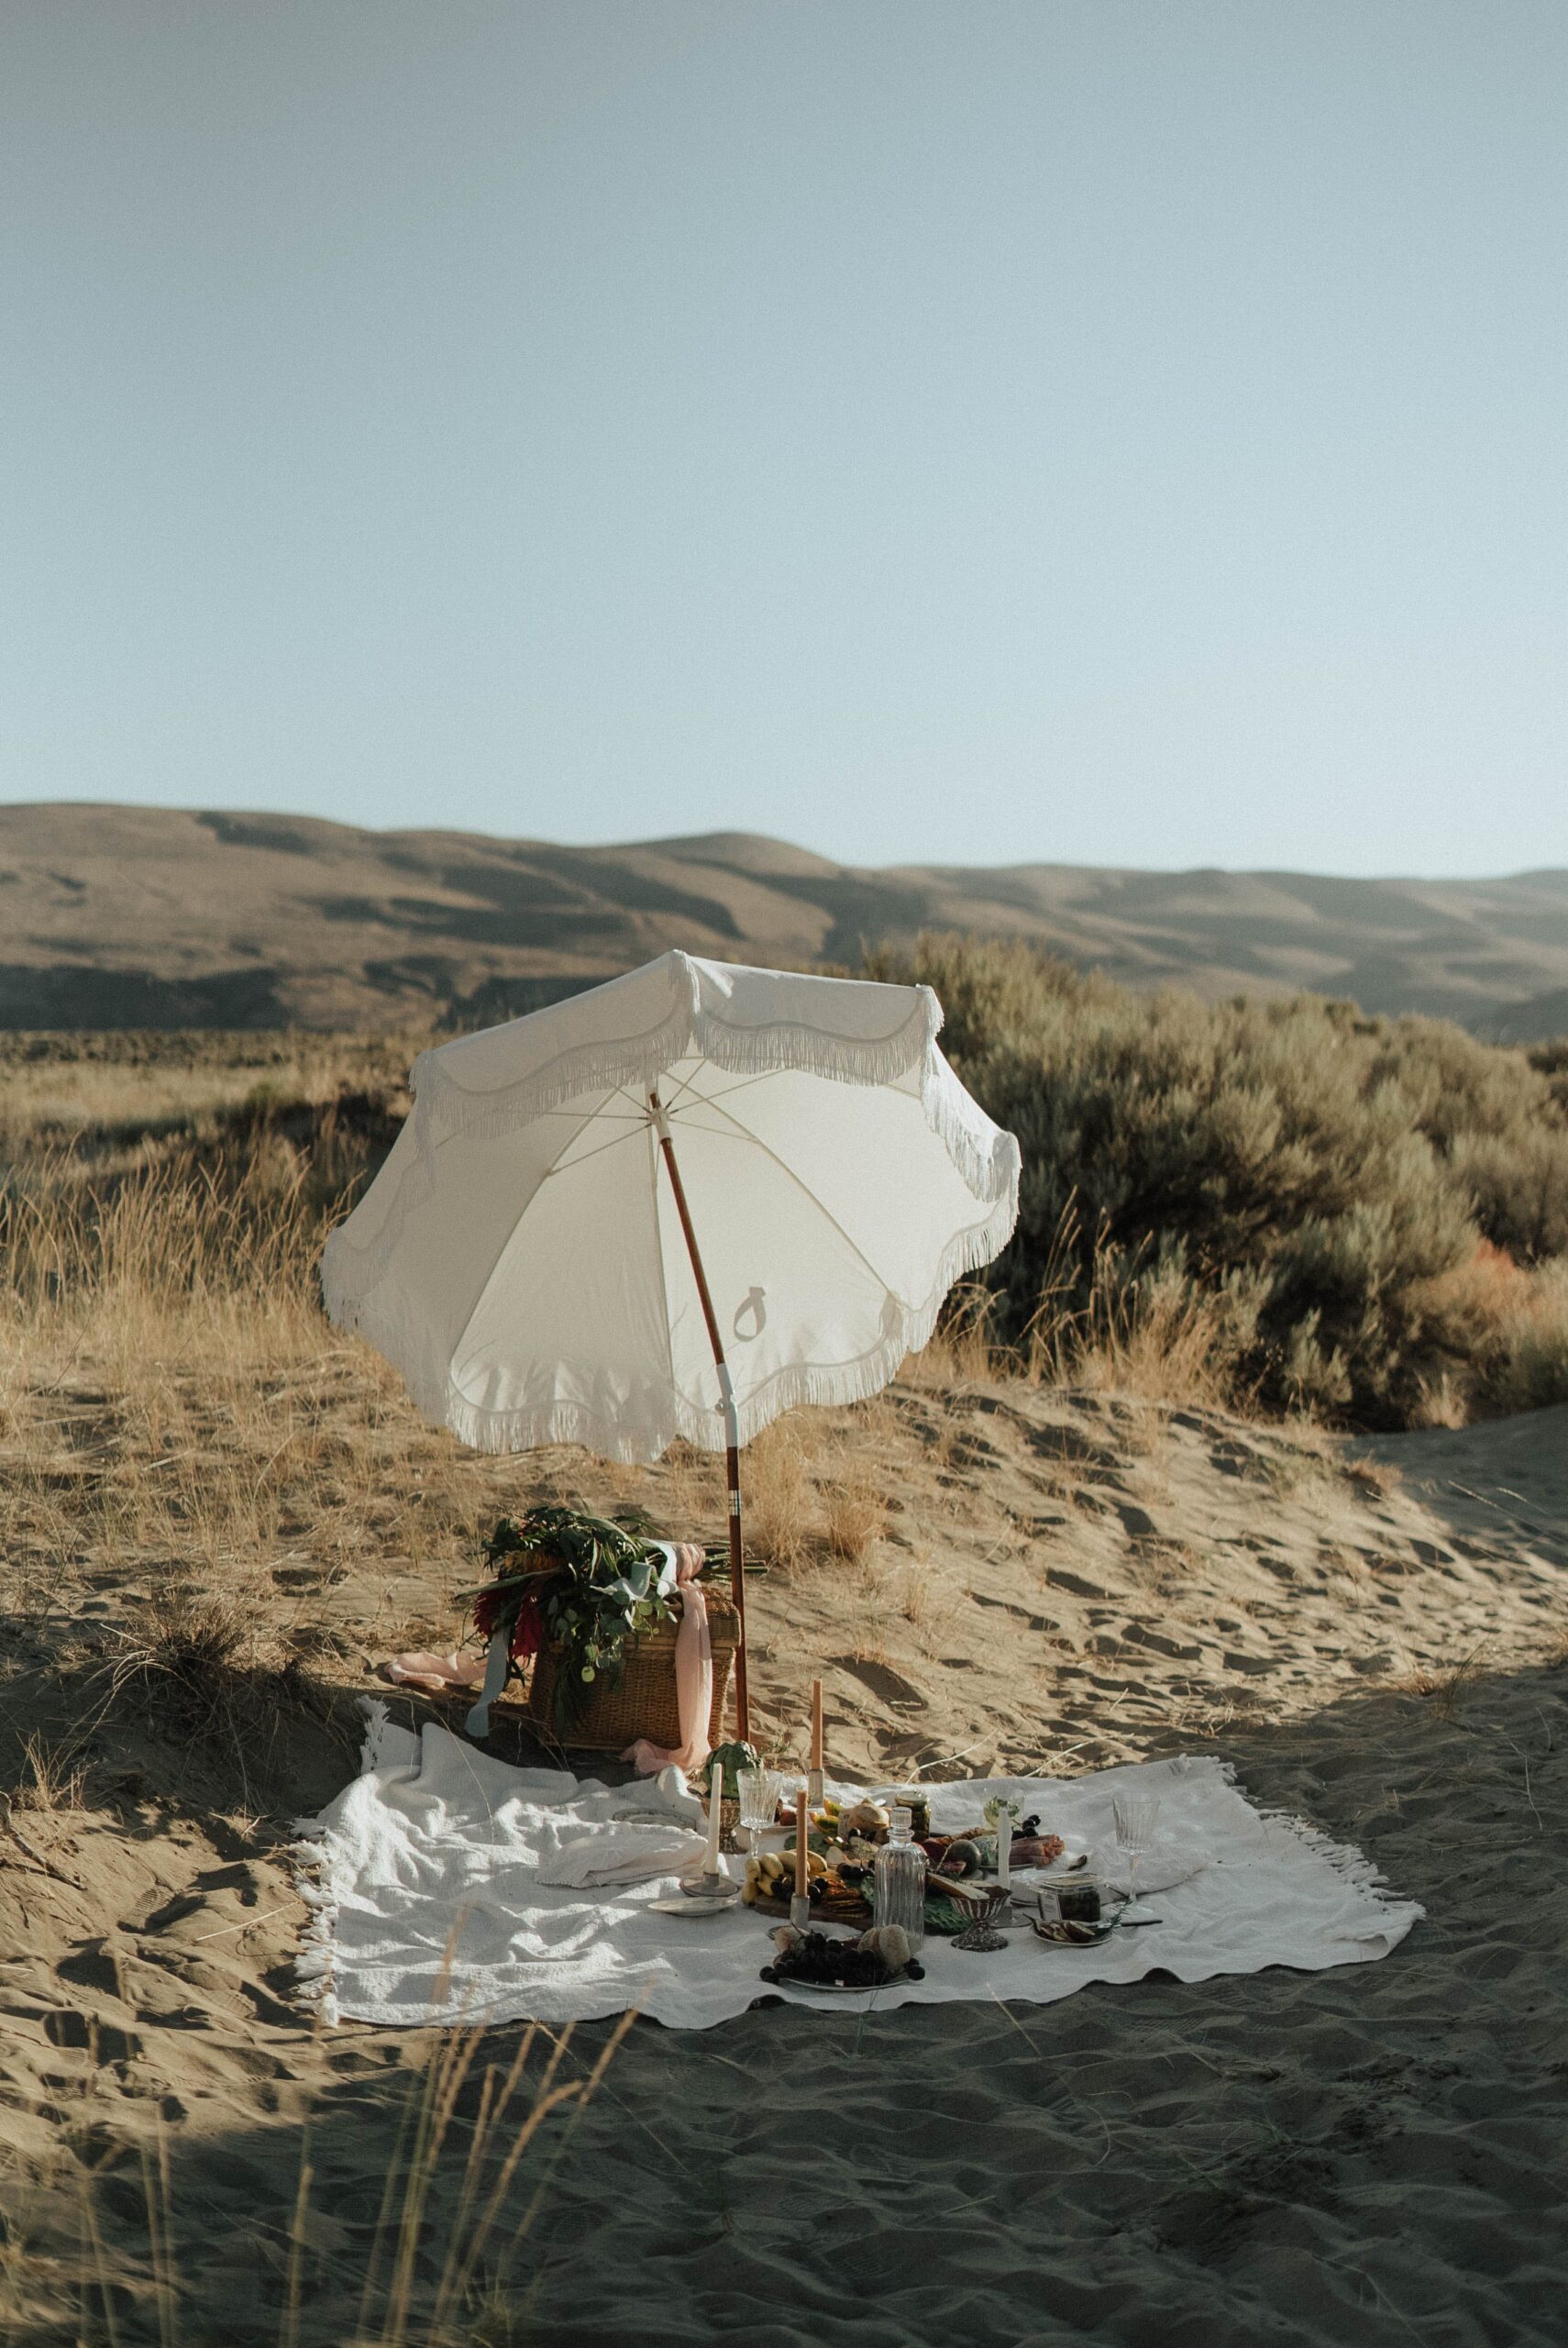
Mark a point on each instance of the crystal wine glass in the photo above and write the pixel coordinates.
(1137, 1813)
(759, 1790)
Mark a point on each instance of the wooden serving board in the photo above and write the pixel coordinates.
(838, 1908)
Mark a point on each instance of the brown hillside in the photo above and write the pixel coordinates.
(150, 917)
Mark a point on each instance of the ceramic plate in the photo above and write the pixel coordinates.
(694, 1904)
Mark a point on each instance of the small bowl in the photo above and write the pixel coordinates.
(1058, 1933)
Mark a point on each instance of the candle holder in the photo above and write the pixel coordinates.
(710, 1887)
(1000, 1814)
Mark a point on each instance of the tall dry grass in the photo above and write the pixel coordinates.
(178, 1419)
(174, 1409)
(470, 2148)
(1160, 1339)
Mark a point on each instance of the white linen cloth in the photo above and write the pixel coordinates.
(519, 1257)
(623, 1853)
(427, 1877)
(1161, 1867)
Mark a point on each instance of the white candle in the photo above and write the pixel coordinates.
(715, 1802)
(1004, 1846)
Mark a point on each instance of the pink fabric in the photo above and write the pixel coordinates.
(693, 1674)
(436, 1673)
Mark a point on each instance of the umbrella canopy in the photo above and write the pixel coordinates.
(673, 1206)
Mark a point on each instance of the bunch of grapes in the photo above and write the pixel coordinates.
(822, 1958)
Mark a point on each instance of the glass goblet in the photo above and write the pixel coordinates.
(1136, 1814)
(759, 1790)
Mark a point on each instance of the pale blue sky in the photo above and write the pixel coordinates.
(965, 432)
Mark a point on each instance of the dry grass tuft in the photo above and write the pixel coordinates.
(854, 1515)
(965, 1349)
(192, 1668)
(1442, 1689)
(1158, 1339)
(1164, 1342)
(780, 1493)
(49, 1779)
(928, 1609)
(1379, 1477)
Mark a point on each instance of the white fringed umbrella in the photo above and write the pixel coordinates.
(674, 1206)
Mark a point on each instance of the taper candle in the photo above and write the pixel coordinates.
(814, 1787)
(802, 1820)
(1004, 1847)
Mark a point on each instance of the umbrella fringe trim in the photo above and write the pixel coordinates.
(906, 1330)
(689, 1030)
(985, 1157)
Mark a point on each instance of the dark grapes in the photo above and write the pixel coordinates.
(819, 1958)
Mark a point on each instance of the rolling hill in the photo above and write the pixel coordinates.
(145, 918)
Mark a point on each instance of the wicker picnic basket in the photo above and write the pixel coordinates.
(643, 1704)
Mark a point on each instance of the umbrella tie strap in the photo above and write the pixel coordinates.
(727, 1396)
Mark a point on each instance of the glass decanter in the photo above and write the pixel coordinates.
(900, 1880)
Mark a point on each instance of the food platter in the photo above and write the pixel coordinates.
(848, 1988)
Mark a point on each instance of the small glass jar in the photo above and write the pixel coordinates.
(1079, 1899)
(901, 1880)
(917, 1801)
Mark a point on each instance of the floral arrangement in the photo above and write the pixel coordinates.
(589, 1584)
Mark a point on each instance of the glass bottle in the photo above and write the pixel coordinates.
(900, 1880)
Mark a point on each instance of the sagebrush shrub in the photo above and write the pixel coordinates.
(1322, 1175)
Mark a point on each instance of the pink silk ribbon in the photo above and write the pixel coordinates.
(693, 1674)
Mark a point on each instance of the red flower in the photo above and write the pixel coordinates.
(528, 1629)
(490, 1606)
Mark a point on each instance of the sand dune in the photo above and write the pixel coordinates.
(1372, 1633)
(124, 916)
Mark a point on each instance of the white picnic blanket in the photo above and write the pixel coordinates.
(427, 1879)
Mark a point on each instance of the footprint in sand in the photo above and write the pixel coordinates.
(884, 1682)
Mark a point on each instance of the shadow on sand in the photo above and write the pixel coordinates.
(1369, 2153)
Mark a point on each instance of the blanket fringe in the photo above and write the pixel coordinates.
(315, 1987)
(1348, 1862)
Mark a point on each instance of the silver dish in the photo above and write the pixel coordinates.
(842, 1988)
(1058, 1932)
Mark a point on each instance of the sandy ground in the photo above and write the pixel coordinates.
(1372, 1633)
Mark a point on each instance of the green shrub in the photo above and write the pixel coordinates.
(1321, 1177)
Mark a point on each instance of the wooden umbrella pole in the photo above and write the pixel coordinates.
(732, 1423)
